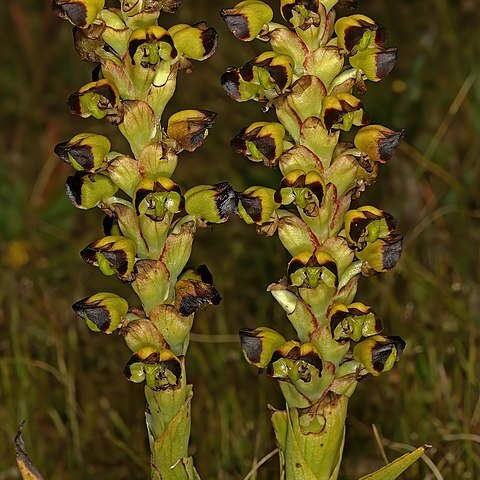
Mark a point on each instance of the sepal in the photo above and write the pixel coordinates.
(375, 63)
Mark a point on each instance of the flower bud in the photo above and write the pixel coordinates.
(378, 142)
(87, 191)
(358, 32)
(378, 354)
(295, 235)
(197, 42)
(211, 203)
(80, 13)
(189, 128)
(261, 141)
(112, 254)
(151, 283)
(247, 19)
(375, 63)
(178, 246)
(259, 344)
(161, 370)
(342, 111)
(325, 63)
(85, 152)
(102, 312)
(97, 99)
(353, 322)
(257, 205)
(124, 172)
(140, 13)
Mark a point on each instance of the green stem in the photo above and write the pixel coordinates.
(168, 423)
(311, 440)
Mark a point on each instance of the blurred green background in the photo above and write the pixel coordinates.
(84, 421)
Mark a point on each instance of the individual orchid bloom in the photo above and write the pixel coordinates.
(97, 99)
(113, 255)
(258, 344)
(376, 63)
(86, 152)
(309, 270)
(378, 142)
(195, 42)
(257, 205)
(157, 198)
(247, 19)
(211, 203)
(102, 312)
(378, 353)
(189, 128)
(261, 142)
(357, 32)
(160, 370)
(87, 191)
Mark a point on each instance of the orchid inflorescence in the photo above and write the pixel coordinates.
(148, 234)
(328, 152)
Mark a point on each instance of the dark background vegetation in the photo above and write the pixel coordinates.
(84, 421)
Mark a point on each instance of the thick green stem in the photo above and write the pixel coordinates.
(168, 424)
(311, 440)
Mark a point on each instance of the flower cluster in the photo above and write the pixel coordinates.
(328, 152)
(149, 223)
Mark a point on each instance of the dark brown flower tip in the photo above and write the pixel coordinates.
(195, 290)
(230, 81)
